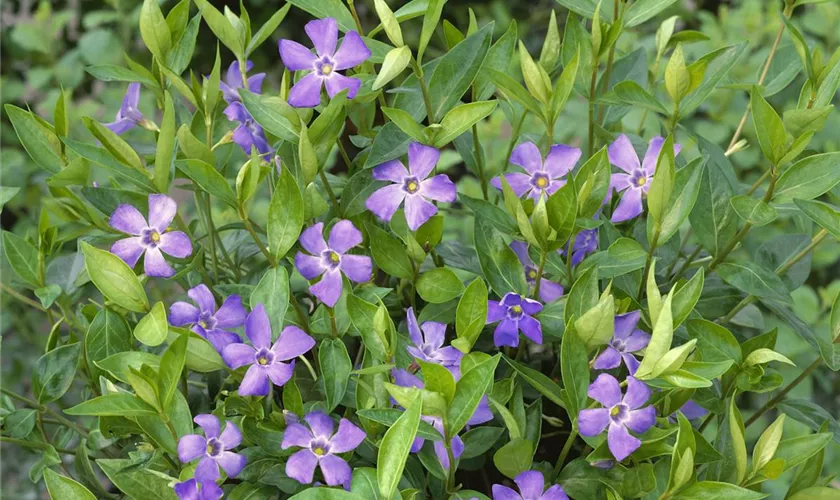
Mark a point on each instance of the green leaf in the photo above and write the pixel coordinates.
(115, 145)
(631, 93)
(686, 297)
(754, 279)
(460, 118)
(802, 121)
(513, 90)
(389, 22)
(562, 209)
(596, 326)
(19, 423)
(221, 27)
(108, 334)
(64, 488)
(682, 458)
(171, 365)
(389, 416)
(152, 328)
(165, 146)
(438, 378)
(273, 114)
(208, 179)
(471, 315)
(333, 356)
(681, 201)
(540, 382)
(827, 216)
(389, 253)
(583, 296)
(796, 450)
(808, 178)
(118, 404)
(713, 218)
(499, 263)
(468, 393)
(720, 62)
(362, 315)
(752, 210)
(677, 77)
(662, 185)
(538, 86)
(574, 368)
(395, 446)
(23, 257)
(307, 156)
(267, 29)
(390, 142)
(328, 8)
(565, 84)
(313, 493)
(439, 285)
(763, 356)
(114, 279)
(514, 458)
(713, 490)
(739, 446)
(54, 372)
(285, 215)
(272, 292)
(405, 122)
(430, 22)
(154, 30)
(642, 10)
(396, 60)
(767, 444)
(119, 365)
(40, 142)
(138, 483)
(202, 357)
(768, 128)
(660, 341)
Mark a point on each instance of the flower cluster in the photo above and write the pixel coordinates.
(248, 133)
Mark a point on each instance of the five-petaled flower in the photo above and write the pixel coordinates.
(626, 340)
(325, 65)
(531, 484)
(549, 290)
(481, 415)
(515, 313)
(586, 242)
(320, 448)
(542, 177)
(428, 344)
(619, 414)
(331, 259)
(193, 490)
(636, 179)
(150, 237)
(206, 320)
(247, 133)
(129, 116)
(412, 186)
(268, 362)
(213, 449)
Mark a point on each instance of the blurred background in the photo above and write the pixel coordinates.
(45, 46)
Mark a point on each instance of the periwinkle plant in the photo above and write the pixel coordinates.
(330, 287)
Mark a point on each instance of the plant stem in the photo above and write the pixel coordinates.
(513, 138)
(450, 477)
(773, 402)
(256, 238)
(333, 326)
(344, 156)
(427, 100)
(565, 452)
(538, 279)
(605, 86)
(34, 404)
(35, 445)
(647, 265)
(304, 320)
(211, 231)
(23, 298)
(592, 84)
(686, 264)
(330, 193)
(479, 162)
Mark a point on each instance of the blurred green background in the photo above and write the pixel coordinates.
(48, 45)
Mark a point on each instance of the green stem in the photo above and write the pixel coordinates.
(685, 264)
(23, 298)
(647, 265)
(345, 156)
(565, 452)
(34, 445)
(41, 408)
(538, 279)
(309, 367)
(333, 326)
(211, 230)
(330, 192)
(250, 228)
(450, 477)
(424, 89)
(592, 85)
(479, 162)
(773, 402)
(302, 317)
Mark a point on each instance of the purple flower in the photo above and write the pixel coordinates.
(193, 490)
(542, 177)
(266, 360)
(325, 65)
(213, 449)
(691, 410)
(549, 290)
(320, 447)
(586, 242)
(627, 339)
(635, 182)
(481, 415)
(248, 133)
(618, 413)
(128, 116)
(516, 314)
(330, 260)
(150, 237)
(428, 341)
(531, 484)
(233, 82)
(412, 186)
(206, 320)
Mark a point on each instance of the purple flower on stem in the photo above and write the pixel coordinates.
(531, 484)
(481, 415)
(626, 340)
(128, 116)
(331, 259)
(325, 65)
(233, 82)
(193, 490)
(320, 448)
(428, 344)
(412, 186)
(515, 314)
(542, 177)
(586, 242)
(213, 449)
(691, 410)
(268, 362)
(248, 133)
(619, 414)
(206, 320)
(150, 237)
(636, 179)
(549, 290)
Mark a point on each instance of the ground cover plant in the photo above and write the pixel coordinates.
(418, 252)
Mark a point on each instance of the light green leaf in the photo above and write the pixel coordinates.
(395, 446)
(439, 285)
(115, 279)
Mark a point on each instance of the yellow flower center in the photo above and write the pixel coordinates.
(318, 451)
(335, 258)
(412, 187)
(516, 309)
(532, 274)
(326, 69)
(202, 324)
(641, 181)
(615, 411)
(542, 182)
(155, 237)
(263, 361)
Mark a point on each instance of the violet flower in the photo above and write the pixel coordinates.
(531, 484)
(481, 415)
(233, 82)
(129, 116)
(515, 314)
(549, 290)
(542, 177)
(325, 65)
(626, 340)
(320, 448)
(150, 237)
(213, 449)
(331, 260)
(428, 344)
(636, 180)
(267, 361)
(586, 242)
(206, 320)
(193, 490)
(619, 414)
(412, 186)
(691, 410)
(248, 133)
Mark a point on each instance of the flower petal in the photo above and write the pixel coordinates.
(418, 211)
(187, 490)
(162, 210)
(191, 447)
(306, 93)
(527, 156)
(344, 236)
(531, 328)
(128, 249)
(347, 437)
(605, 390)
(637, 341)
(336, 471)
(550, 291)
(155, 266)
(238, 355)
(301, 466)
(622, 154)
(182, 313)
(358, 268)
(280, 372)
(324, 35)
(438, 188)
(652, 154)
(414, 328)
(385, 201)
(593, 421)
(121, 125)
(495, 311)
(176, 244)
(328, 290)
(506, 334)
(422, 159)
(336, 82)
(434, 334)
(641, 420)
(255, 83)
(620, 442)
(128, 219)
(403, 378)
(322, 425)
(393, 171)
(625, 324)
(221, 338)
(255, 382)
(293, 342)
(312, 239)
(560, 160)
(692, 410)
(630, 362)
(258, 327)
(231, 437)
(296, 435)
(209, 423)
(636, 394)
(629, 207)
(352, 52)
(530, 484)
(232, 463)
(295, 56)
(482, 413)
(531, 306)
(519, 183)
(610, 358)
(520, 248)
(555, 493)
(309, 266)
(207, 470)
(232, 314)
(202, 296)
(504, 493)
